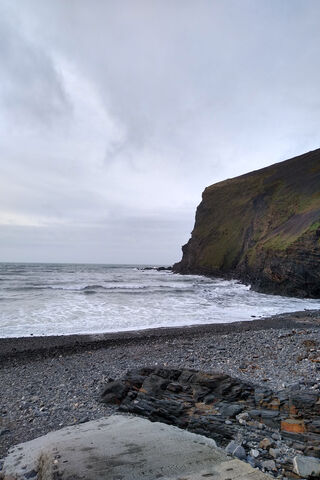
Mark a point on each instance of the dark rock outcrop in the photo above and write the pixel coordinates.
(272, 427)
(262, 228)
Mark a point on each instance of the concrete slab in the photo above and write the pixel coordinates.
(124, 448)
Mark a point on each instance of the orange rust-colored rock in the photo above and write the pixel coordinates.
(293, 426)
(274, 404)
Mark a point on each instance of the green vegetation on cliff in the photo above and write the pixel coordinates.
(262, 227)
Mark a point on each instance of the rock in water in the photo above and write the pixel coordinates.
(262, 228)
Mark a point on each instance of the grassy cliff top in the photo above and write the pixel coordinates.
(267, 210)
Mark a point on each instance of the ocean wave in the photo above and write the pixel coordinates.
(107, 289)
(26, 288)
(107, 299)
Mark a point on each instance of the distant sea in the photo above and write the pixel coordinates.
(60, 299)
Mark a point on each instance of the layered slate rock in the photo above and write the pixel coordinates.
(262, 228)
(225, 409)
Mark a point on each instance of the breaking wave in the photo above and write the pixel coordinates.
(43, 299)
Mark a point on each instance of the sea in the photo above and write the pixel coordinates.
(61, 299)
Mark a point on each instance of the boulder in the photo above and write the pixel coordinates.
(224, 409)
(306, 466)
(233, 448)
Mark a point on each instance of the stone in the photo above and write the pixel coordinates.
(31, 474)
(84, 419)
(240, 453)
(263, 413)
(314, 426)
(274, 452)
(254, 453)
(265, 444)
(313, 451)
(243, 418)
(114, 392)
(269, 465)
(306, 466)
(230, 448)
(209, 399)
(252, 461)
(154, 384)
(293, 425)
(237, 450)
(302, 399)
(268, 417)
(231, 410)
(174, 387)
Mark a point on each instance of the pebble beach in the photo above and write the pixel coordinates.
(47, 383)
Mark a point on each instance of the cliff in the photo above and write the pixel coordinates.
(262, 228)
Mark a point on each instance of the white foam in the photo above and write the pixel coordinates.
(124, 299)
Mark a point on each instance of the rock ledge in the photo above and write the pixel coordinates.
(266, 428)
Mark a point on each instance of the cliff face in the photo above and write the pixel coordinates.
(262, 228)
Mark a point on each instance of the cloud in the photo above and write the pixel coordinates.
(116, 115)
(31, 89)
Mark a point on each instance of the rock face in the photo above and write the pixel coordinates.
(253, 422)
(262, 228)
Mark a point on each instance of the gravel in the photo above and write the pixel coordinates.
(51, 389)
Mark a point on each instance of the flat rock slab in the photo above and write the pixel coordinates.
(124, 448)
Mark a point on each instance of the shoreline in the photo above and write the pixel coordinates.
(30, 346)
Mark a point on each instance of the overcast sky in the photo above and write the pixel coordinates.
(115, 115)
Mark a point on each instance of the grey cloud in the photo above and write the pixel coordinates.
(30, 87)
(142, 104)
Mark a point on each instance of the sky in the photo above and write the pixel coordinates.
(115, 115)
